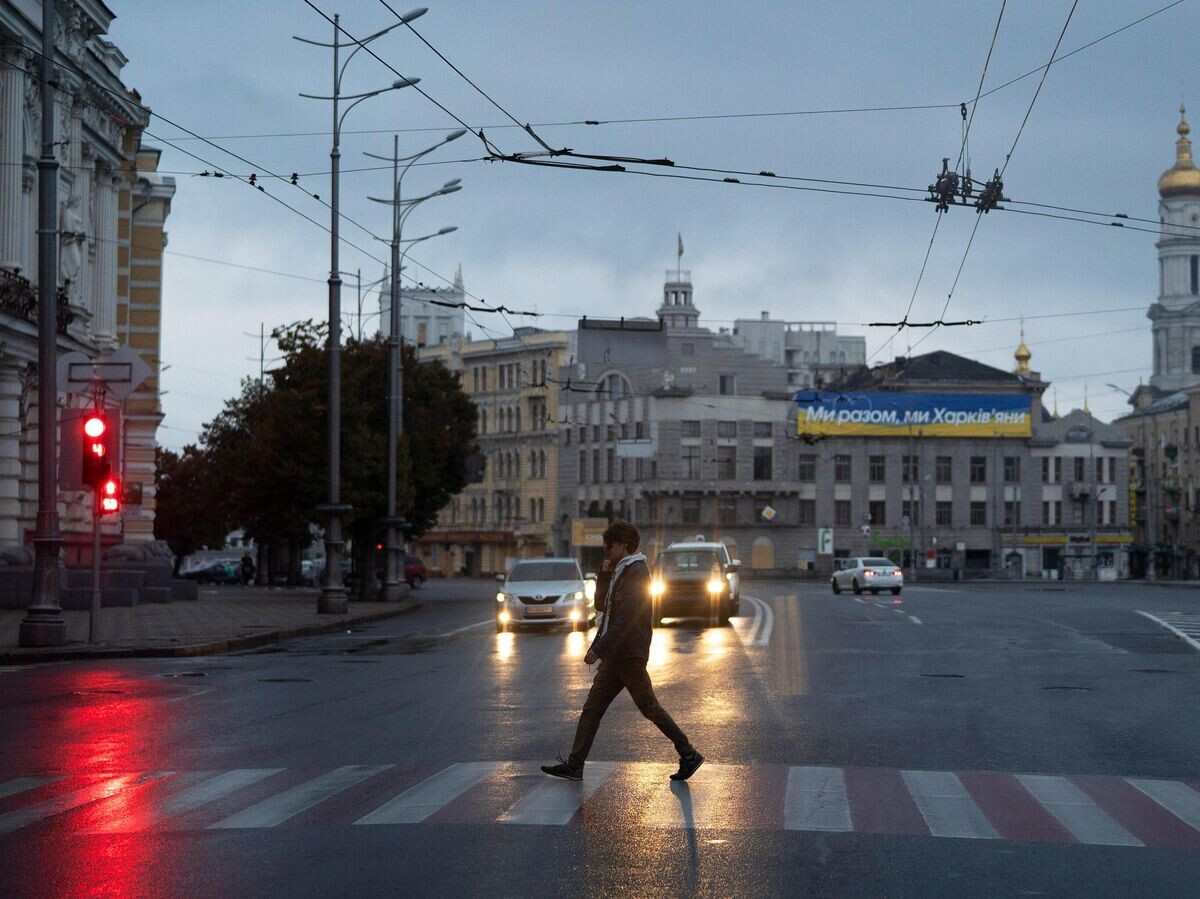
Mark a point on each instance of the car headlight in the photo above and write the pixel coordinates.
(578, 594)
(657, 589)
(575, 616)
(868, 573)
(504, 616)
(897, 573)
(500, 597)
(716, 585)
(589, 589)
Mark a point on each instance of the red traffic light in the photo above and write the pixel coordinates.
(95, 426)
(96, 467)
(110, 496)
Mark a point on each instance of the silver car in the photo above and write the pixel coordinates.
(545, 593)
(868, 573)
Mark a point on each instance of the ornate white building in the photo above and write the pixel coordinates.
(111, 208)
(424, 321)
(1176, 315)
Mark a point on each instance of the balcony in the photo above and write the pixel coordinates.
(17, 297)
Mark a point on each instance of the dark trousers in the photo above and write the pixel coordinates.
(614, 676)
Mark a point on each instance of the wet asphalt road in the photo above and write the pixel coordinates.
(244, 774)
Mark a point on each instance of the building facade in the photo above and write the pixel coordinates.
(428, 315)
(508, 510)
(813, 353)
(112, 209)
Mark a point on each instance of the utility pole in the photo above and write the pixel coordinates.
(43, 624)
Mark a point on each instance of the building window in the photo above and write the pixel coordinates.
(639, 430)
(1100, 470)
(691, 510)
(1195, 357)
(841, 469)
(877, 509)
(1012, 513)
(727, 429)
(727, 510)
(841, 512)
(610, 433)
(727, 462)
(807, 473)
(690, 456)
(979, 469)
(583, 433)
(613, 387)
(762, 429)
(689, 428)
(596, 433)
(944, 511)
(1012, 469)
(688, 349)
(911, 509)
(728, 385)
(978, 513)
(1079, 465)
(944, 469)
(876, 469)
(763, 456)
(808, 511)
(1194, 271)
(611, 467)
(595, 466)
(909, 469)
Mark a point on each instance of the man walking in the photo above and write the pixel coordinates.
(623, 648)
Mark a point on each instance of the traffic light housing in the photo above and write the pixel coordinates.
(97, 467)
(110, 497)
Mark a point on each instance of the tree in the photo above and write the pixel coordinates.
(187, 515)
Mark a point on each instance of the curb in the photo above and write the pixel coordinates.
(249, 641)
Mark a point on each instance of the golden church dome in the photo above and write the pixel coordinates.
(1183, 177)
(1022, 355)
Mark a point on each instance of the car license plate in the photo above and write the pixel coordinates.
(539, 611)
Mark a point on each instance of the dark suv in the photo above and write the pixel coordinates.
(696, 580)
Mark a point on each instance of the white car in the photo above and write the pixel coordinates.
(868, 573)
(545, 593)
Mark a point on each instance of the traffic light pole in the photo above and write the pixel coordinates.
(94, 616)
(44, 624)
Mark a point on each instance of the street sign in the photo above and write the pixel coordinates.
(121, 372)
(768, 513)
(825, 541)
(866, 529)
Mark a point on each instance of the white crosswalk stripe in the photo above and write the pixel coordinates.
(556, 801)
(1184, 625)
(816, 800)
(418, 803)
(1179, 799)
(209, 789)
(946, 806)
(292, 802)
(102, 789)
(1086, 821)
(21, 784)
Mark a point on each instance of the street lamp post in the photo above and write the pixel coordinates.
(332, 598)
(43, 624)
(393, 582)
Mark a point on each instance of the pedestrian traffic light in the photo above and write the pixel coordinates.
(96, 464)
(110, 497)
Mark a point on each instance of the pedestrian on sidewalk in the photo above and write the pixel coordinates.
(623, 648)
(247, 569)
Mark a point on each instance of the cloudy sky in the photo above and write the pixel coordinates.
(569, 243)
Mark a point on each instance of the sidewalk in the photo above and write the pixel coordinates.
(223, 619)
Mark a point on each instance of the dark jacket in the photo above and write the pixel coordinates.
(628, 616)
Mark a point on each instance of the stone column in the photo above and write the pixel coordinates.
(104, 323)
(12, 154)
(10, 454)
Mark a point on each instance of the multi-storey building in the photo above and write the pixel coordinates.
(429, 316)
(111, 211)
(813, 353)
(508, 511)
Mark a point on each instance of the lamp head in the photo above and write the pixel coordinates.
(448, 230)
(404, 82)
(414, 14)
(455, 135)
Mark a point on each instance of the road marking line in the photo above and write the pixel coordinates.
(210, 790)
(419, 802)
(59, 804)
(915, 620)
(21, 784)
(860, 599)
(290, 803)
(1179, 799)
(463, 630)
(191, 695)
(1176, 631)
(768, 623)
(816, 800)
(556, 801)
(946, 806)
(1086, 821)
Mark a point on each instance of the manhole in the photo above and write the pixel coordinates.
(285, 680)
(1068, 687)
(943, 675)
(1154, 670)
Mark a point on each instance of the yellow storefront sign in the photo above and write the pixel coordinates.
(588, 531)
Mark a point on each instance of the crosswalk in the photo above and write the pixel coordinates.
(1184, 625)
(976, 805)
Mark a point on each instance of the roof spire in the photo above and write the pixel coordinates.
(1085, 403)
(1056, 415)
(1183, 177)
(1022, 354)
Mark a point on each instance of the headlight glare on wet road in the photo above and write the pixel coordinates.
(574, 616)
(504, 616)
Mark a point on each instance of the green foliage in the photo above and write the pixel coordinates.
(184, 514)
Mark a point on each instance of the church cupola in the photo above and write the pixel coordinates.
(1022, 355)
(677, 311)
(1183, 177)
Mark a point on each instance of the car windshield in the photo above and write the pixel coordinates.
(545, 571)
(685, 561)
(873, 563)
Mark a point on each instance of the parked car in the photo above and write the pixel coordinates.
(872, 573)
(696, 579)
(415, 572)
(221, 571)
(545, 593)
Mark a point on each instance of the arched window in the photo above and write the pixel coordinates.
(516, 457)
(542, 460)
(613, 386)
(1196, 360)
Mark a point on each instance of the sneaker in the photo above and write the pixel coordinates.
(563, 770)
(687, 766)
